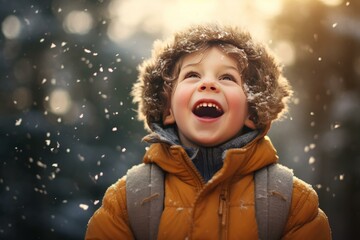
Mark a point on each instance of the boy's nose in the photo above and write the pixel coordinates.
(208, 86)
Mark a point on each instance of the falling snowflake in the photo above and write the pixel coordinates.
(18, 122)
(81, 158)
(311, 160)
(84, 206)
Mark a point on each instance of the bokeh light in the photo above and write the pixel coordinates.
(11, 27)
(78, 22)
(285, 51)
(22, 98)
(60, 101)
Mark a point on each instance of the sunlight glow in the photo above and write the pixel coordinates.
(332, 3)
(164, 17)
(268, 8)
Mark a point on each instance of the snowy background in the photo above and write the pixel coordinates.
(68, 128)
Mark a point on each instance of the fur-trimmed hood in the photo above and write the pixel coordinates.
(266, 89)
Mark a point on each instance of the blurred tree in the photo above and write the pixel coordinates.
(326, 78)
(67, 127)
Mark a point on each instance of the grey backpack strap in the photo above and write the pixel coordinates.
(273, 192)
(145, 200)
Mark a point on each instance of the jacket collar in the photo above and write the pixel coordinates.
(173, 158)
(169, 135)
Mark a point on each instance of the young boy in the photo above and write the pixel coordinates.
(208, 95)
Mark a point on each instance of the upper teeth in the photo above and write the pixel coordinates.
(208, 105)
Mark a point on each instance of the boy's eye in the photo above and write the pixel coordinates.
(228, 78)
(192, 75)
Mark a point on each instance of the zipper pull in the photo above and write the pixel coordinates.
(222, 207)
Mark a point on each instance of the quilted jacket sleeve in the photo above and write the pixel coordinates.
(306, 220)
(110, 221)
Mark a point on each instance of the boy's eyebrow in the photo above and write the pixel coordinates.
(232, 67)
(188, 65)
(224, 66)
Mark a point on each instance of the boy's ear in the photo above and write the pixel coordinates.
(249, 123)
(168, 117)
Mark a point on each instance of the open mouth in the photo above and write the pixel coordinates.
(208, 110)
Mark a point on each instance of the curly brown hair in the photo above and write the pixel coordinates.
(266, 89)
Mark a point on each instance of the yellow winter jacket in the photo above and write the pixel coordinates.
(222, 208)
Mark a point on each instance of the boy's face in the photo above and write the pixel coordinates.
(208, 103)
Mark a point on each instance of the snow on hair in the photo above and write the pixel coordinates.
(266, 89)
